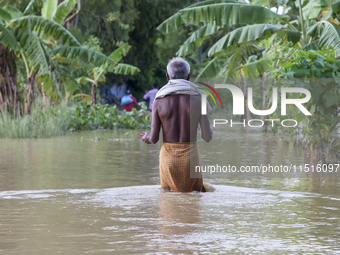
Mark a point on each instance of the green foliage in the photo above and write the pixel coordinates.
(46, 27)
(63, 9)
(230, 13)
(48, 8)
(104, 117)
(324, 84)
(82, 53)
(328, 33)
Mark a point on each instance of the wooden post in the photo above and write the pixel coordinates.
(94, 94)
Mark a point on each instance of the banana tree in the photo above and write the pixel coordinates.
(246, 26)
(26, 34)
(97, 64)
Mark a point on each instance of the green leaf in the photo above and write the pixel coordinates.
(329, 34)
(118, 54)
(211, 70)
(335, 10)
(82, 53)
(36, 53)
(222, 14)
(207, 2)
(244, 34)
(13, 11)
(45, 27)
(126, 69)
(5, 16)
(63, 10)
(49, 8)
(266, 3)
(8, 39)
(256, 68)
(313, 8)
(314, 45)
(196, 37)
(83, 80)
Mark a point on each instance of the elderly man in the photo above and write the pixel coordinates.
(177, 109)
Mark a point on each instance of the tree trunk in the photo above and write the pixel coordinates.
(94, 94)
(28, 95)
(43, 93)
(265, 99)
(8, 79)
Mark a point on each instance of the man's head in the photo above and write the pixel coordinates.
(155, 85)
(128, 92)
(178, 68)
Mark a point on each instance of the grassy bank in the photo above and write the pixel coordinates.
(42, 123)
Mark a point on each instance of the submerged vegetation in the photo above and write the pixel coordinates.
(106, 117)
(55, 121)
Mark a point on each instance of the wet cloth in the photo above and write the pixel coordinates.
(175, 160)
(181, 86)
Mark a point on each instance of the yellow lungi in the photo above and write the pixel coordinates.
(174, 166)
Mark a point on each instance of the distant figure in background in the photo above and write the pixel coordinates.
(128, 107)
(150, 95)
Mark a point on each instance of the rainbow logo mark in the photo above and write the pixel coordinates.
(208, 86)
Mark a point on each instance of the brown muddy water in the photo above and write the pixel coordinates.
(99, 193)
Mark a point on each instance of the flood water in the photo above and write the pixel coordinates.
(98, 192)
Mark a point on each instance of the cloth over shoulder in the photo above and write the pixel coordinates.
(181, 86)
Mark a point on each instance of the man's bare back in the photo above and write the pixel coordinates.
(179, 116)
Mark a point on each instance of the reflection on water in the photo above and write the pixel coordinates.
(81, 194)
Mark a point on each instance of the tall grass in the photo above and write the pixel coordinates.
(43, 122)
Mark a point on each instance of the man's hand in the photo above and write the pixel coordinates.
(146, 91)
(146, 138)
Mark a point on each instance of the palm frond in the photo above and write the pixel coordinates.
(82, 53)
(222, 14)
(45, 27)
(328, 33)
(36, 53)
(197, 37)
(242, 35)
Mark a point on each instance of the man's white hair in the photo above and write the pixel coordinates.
(178, 68)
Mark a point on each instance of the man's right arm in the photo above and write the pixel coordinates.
(153, 136)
